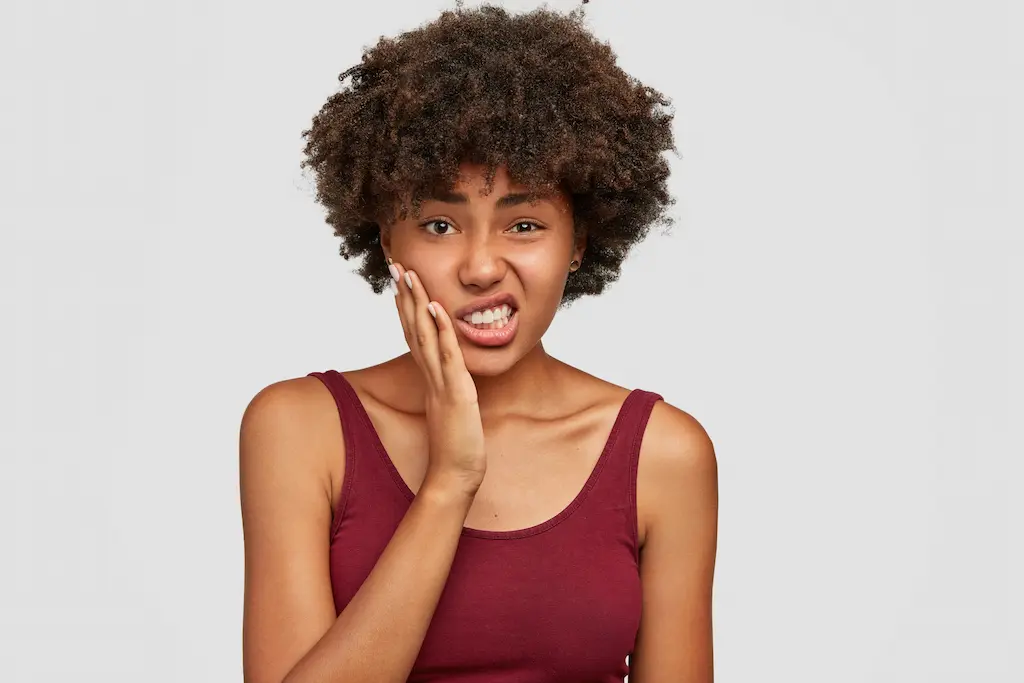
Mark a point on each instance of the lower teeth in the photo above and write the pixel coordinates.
(496, 325)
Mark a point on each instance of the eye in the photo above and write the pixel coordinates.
(444, 223)
(522, 223)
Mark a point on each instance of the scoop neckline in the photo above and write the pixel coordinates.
(560, 517)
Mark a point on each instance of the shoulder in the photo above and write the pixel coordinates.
(288, 405)
(675, 443)
(290, 428)
(677, 473)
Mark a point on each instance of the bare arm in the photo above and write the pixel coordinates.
(290, 632)
(679, 475)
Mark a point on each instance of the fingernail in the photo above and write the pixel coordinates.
(430, 308)
(394, 272)
(394, 288)
(408, 279)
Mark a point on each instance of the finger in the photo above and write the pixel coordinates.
(425, 329)
(457, 379)
(405, 298)
(406, 305)
(401, 293)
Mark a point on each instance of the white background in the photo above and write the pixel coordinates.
(840, 304)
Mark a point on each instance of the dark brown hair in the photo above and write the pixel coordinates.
(536, 92)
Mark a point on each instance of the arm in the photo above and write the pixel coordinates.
(290, 632)
(679, 475)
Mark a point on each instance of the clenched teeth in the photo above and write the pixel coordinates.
(492, 318)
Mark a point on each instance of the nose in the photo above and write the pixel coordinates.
(483, 264)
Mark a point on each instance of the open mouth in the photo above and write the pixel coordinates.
(498, 331)
(491, 318)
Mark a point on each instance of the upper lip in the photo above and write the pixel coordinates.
(489, 302)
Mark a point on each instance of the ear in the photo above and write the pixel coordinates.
(580, 247)
(385, 239)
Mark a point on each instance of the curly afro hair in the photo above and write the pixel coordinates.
(535, 92)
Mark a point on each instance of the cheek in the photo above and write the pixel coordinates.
(540, 267)
(435, 270)
(543, 280)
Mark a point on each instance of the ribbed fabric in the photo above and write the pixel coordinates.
(557, 602)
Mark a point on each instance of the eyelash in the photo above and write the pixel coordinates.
(516, 224)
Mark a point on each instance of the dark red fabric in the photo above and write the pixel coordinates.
(559, 601)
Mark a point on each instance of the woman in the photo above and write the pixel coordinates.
(475, 509)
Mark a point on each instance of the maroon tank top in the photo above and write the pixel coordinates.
(559, 601)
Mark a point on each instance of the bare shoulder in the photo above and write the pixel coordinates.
(293, 396)
(675, 442)
(676, 457)
(291, 427)
(677, 467)
(294, 407)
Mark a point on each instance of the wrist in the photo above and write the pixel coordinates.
(450, 487)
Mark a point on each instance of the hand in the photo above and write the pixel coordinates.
(454, 428)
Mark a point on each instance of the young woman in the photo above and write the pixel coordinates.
(475, 509)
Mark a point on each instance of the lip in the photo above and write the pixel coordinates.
(489, 302)
(490, 337)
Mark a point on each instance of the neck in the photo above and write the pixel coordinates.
(527, 388)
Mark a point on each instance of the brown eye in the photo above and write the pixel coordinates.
(527, 223)
(445, 231)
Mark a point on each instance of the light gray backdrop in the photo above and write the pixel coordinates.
(839, 305)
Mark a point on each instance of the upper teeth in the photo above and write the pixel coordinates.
(488, 315)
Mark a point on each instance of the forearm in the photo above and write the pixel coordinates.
(379, 633)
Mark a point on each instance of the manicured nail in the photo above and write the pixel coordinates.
(394, 272)
(430, 308)
(408, 279)
(394, 288)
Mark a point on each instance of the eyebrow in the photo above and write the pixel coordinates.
(512, 199)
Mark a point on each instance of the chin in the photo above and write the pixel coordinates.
(488, 362)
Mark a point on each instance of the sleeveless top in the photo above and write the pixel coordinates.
(557, 602)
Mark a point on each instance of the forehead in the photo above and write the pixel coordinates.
(472, 177)
(470, 187)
